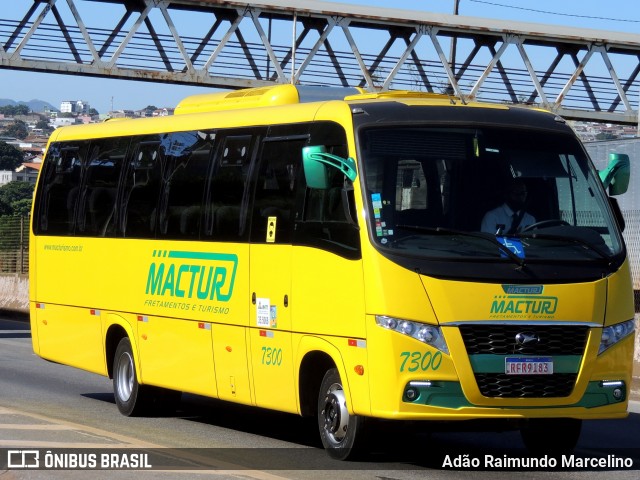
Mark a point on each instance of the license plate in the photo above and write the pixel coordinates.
(528, 366)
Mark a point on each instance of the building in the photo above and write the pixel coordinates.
(122, 114)
(5, 177)
(27, 172)
(62, 122)
(74, 106)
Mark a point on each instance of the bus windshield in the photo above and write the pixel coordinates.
(507, 194)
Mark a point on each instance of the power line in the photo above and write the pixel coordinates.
(556, 13)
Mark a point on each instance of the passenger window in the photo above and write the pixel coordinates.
(273, 210)
(227, 190)
(96, 214)
(56, 206)
(141, 187)
(323, 221)
(188, 155)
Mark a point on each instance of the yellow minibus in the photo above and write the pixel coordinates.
(346, 258)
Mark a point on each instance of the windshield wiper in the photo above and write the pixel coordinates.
(579, 241)
(485, 236)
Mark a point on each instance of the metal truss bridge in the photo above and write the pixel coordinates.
(578, 73)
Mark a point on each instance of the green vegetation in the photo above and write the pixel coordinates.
(12, 110)
(15, 198)
(10, 157)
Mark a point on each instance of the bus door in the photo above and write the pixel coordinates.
(225, 227)
(273, 214)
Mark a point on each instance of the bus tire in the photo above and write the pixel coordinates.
(341, 433)
(551, 435)
(131, 397)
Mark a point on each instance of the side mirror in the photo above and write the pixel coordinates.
(616, 176)
(316, 162)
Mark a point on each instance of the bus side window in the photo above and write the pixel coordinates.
(141, 187)
(100, 178)
(188, 155)
(56, 206)
(227, 188)
(275, 193)
(322, 222)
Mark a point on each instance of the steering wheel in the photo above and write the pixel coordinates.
(555, 222)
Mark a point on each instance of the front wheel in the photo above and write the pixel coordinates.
(341, 433)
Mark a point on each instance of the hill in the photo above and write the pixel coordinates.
(35, 105)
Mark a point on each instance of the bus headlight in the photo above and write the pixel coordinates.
(428, 334)
(613, 334)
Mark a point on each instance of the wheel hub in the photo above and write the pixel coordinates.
(335, 413)
(125, 372)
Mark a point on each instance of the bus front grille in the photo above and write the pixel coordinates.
(528, 386)
(542, 341)
(500, 339)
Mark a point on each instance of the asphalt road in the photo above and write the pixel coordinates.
(50, 407)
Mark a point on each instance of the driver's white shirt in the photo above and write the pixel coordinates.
(499, 220)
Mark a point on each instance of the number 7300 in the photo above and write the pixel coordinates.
(414, 361)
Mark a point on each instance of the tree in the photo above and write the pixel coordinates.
(4, 209)
(17, 196)
(93, 111)
(22, 207)
(10, 157)
(15, 110)
(17, 129)
(44, 126)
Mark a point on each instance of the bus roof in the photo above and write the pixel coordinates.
(286, 103)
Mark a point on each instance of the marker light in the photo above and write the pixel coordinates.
(428, 334)
(613, 334)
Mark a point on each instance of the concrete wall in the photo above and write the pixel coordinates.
(14, 292)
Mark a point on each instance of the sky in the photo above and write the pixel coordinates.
(103, 94)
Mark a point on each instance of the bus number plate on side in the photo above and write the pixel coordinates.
(528, 366)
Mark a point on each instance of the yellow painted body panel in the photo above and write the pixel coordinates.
(620, 302)
(177, 354)
(230, 354)
(70, 335)
(237, 321)
(345, 357)
(270, 332)
(469, 301)
(330, 300)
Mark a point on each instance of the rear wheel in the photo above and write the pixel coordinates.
(551, 435)
(132, 398)
(341, 433)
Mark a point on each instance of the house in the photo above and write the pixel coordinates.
(27, 172)
(5, 176)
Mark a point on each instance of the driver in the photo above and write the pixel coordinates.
(510, 217)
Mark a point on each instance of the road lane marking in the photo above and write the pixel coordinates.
(119, 442)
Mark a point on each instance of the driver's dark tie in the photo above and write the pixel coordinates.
(514, 221)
